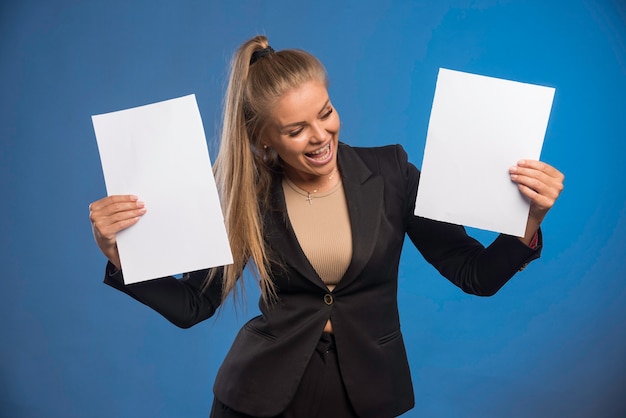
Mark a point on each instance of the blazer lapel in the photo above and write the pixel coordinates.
(364, 194)
(280, 234)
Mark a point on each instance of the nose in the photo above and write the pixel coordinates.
(319, 132)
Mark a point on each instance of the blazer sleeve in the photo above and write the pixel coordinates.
(458, 257)
(183, 301)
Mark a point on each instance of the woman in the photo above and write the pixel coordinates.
(323, 224)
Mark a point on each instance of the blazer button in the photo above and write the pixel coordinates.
(328, 299)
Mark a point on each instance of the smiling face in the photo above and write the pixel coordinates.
(304, 130)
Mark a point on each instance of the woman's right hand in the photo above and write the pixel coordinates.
(111, 215)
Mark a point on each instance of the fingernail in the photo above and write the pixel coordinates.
(521, 162)
(140, 203)
(512, 169)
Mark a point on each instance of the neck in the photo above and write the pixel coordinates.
(318, 184)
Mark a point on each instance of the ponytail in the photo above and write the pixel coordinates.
(244, 168)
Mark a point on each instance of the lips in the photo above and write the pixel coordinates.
(320, 156)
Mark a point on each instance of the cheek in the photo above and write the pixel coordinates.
(289, 152)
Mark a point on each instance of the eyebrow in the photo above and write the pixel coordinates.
(290, 125)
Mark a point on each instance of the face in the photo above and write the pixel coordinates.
(304, 131)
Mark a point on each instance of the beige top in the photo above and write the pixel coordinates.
(322, 226)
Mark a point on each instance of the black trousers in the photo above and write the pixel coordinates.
(321, 392)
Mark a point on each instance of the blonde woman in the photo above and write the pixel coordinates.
(322, 225)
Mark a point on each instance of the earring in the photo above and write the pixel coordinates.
(264, 146)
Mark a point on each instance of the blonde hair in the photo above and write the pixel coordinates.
(244, 168)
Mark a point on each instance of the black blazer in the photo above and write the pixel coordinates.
(263, 368)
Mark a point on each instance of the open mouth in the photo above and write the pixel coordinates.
(321, 155)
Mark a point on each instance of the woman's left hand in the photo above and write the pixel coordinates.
(541, 184)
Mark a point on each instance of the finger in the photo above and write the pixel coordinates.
(106, 218)
(538, 176)
(533, 166)
(109, 224)
(112, 207)
(106, 201)
(109, 231)
(549, 190)
(538, 200)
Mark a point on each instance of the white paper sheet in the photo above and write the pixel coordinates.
(479, 127)
(159, 153)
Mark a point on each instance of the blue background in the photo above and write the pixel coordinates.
(551, 343)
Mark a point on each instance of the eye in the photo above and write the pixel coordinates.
(295, 133)
(327, 114)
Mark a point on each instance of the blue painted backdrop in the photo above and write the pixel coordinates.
(551, 343)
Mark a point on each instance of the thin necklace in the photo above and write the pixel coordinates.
(309, 194)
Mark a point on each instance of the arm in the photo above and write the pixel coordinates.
(183, 302)
(465, 261)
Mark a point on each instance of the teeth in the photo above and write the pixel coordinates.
(320, 151)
